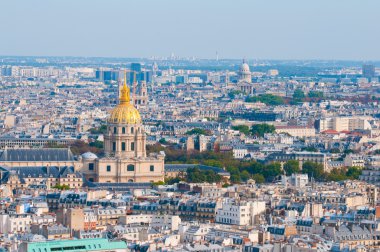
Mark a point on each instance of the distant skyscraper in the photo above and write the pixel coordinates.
(368, 71)
(135, 71)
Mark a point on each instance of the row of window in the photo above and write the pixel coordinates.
(123, 146)
(130, 167)
(123, 130)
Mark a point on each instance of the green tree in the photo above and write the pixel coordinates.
(336, 175)
(268, 99)
(100, 130)
(314, 170)
(196, 175)
(315, 94)
(162, 141)
(242, 128)
(234, 93)
(261, 129)
(353, 172)
(259, 179)
(97, 144)
(244, 175)
(292, 166)
(61, 187)
(298, 94)
(198, 131)
(272, 170)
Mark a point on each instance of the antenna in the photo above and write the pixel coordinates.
(134, 87)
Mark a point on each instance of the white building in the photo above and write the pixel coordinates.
(239, 152)
(236, 212)
(15, 223)
(155, 221)
(296, 180)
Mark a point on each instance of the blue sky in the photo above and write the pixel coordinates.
(256, 29)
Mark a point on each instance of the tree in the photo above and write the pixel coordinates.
(162, 141)
(61, 187)
(314, 170)
(315, 94)
(242, 128)
(100, 130)
(353, 172)
(196, 175)
(259, 179)
(272, 170)
(261, 129)
(336, 175)
(97, 144)
(268, 99)
(233, 94)
(292, 166)
(298, 94)
(310, 149)
(198, 131)
(79, 147)
(335, 150)
(244, 175)
(158, 183)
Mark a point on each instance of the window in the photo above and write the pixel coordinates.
(152, 168)
(132, 146)
(108, 168)
(91, 166)
(114, 130)
(131, 129)
(130, 167)
(123, 146)
(114, 146)
(123, 130)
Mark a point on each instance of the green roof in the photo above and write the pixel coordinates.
(98, 244)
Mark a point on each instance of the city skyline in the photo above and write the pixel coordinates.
(252, 29)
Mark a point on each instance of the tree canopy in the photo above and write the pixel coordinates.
(198, 131)
(261, 129)
(268, 99)
(242, 128)
(292, 166)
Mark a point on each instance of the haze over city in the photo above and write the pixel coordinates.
(271, 29)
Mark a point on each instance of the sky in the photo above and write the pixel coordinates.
(252, 29)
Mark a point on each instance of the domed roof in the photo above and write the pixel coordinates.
(125, 112)
(89, 155)
(244, 67)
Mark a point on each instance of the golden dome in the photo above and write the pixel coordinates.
(125, 112)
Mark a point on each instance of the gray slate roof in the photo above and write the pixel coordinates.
(30, 155)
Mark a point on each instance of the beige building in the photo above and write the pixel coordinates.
(344, 123)
(125, 158)
(296, 131)
(125, 149)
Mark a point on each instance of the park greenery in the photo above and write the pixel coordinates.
(198, 131)
(261, 129)
(298, 97)
(100, 130)
(268, 99)
(61, 187)
(256, 130)
(242, 128)
(242, 170)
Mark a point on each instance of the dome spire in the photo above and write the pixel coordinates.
(125, 92)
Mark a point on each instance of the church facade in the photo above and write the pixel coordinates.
(125, 159)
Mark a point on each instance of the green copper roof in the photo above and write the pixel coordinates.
(76, 245)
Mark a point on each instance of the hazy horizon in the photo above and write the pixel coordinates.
(264, 30)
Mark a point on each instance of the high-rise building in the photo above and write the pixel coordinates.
(107, 75)
(135, 74)
(368, 71)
